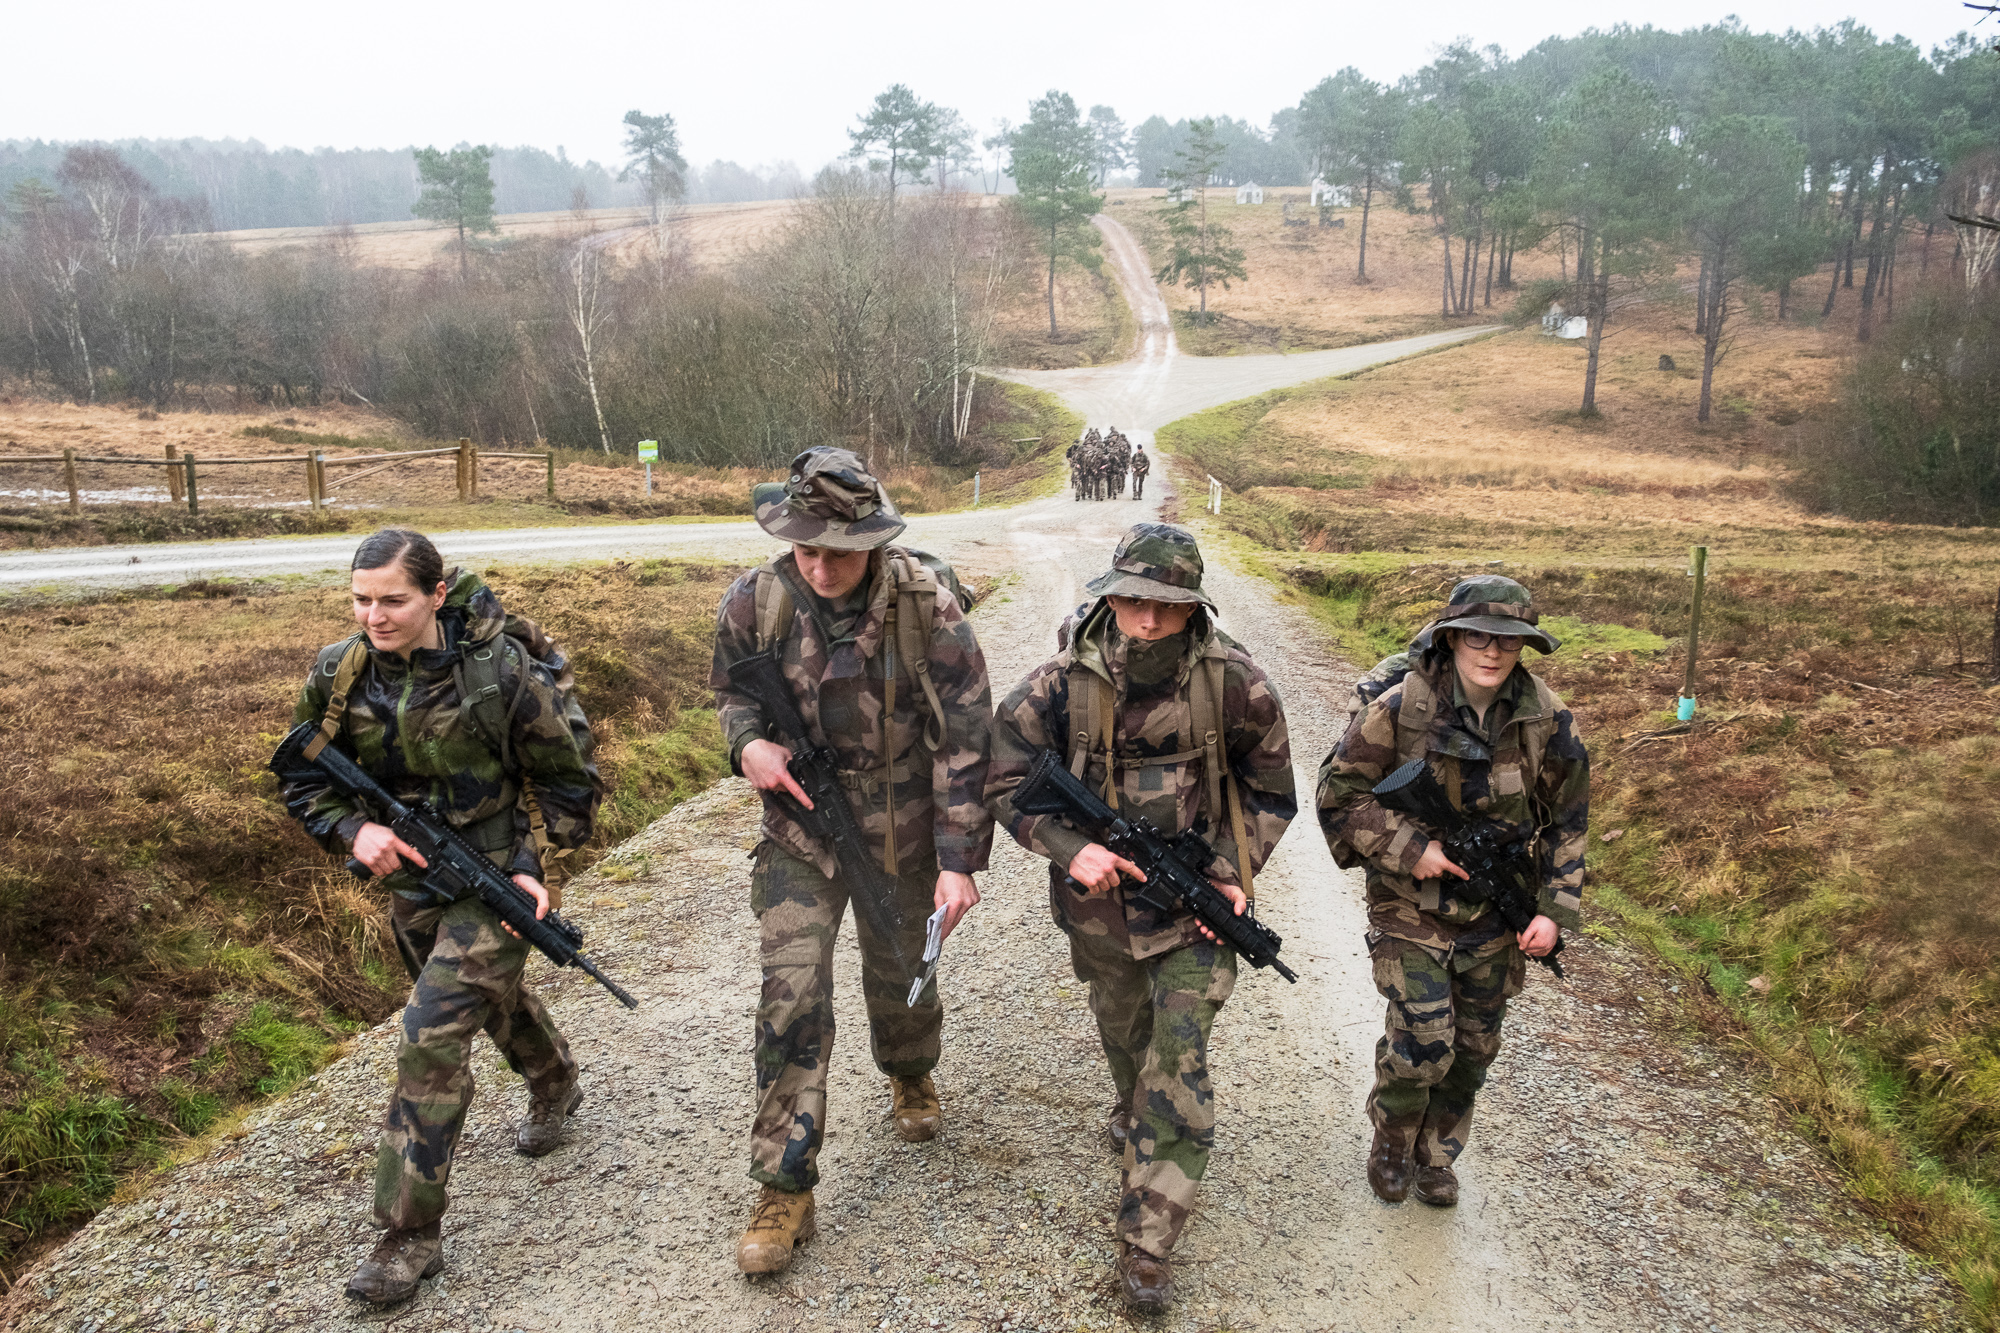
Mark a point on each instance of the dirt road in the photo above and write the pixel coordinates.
(1624, 1174)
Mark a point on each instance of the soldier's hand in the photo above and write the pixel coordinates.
(1434, 863)
(1540, 937)
(1234, 893)
(378, 848)
(1099, 869)
(956, 892)
(764, 764)
(533, 888)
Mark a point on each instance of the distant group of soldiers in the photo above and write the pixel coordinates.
(1099, 464)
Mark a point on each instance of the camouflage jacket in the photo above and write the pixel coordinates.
(404, 725)
(1035, 716)
(839, 691)
(1528, 767)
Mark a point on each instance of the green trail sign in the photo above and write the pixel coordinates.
(649, 451)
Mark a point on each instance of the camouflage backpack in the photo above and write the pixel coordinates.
(1092, 710)
(491, 718)
(905, 634)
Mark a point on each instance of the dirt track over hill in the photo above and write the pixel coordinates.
(1624, 1174)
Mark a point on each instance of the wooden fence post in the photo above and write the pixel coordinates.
(552, 495)
(471, 471)
(464, 445)
(312, 483)
(69, 480)
(319, 475)
(194, 499)
(174, 475)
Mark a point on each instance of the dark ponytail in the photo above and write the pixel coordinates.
(402, 546)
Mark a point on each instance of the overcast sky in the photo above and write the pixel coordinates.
(754, 82)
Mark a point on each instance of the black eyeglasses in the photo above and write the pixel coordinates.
(1477, 639)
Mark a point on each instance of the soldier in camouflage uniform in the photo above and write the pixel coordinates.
(1502, 744)
(917, 762)
(401, 682)
(1141, 465)
(1158, 673)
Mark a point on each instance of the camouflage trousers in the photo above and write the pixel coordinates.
(1442, 1034)
(798, 918)
(1154, 1016)
(467, 970)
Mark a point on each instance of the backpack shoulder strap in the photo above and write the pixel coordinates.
(1414, 716)
(478, 675)
(773, 603)
(1211, 734)
(343, 662)
(915, 608)
(1092, 719)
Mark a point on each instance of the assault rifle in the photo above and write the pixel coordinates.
(817, 771)
(453, 866)
(1499, 860)
(1174, 867)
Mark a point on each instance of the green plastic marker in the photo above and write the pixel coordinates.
(649, 453)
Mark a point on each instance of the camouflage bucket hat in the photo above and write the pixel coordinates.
(1492, 603)
(1154, 560)
(831, 500)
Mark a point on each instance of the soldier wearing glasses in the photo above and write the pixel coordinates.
(1504, 747)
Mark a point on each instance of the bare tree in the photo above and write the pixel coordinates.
(1971, 196)
(588, 314)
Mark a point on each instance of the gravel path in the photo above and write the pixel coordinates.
(1624, 1175)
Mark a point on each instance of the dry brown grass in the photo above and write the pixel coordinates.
(1302, 292)
(709, 235)
(124, 503)
(1093, 323)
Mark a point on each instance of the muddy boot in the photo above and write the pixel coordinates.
(1437, 1186)
(1118, 1126)
(1389, 1170)
(916, 1111)
(781, 1223)
(1146, 1280)
(400, 1261)
(547, 1118)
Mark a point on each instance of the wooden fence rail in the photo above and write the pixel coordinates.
(181, 482)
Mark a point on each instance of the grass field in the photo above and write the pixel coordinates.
(1302, 291)
(708, 235)
(1814, 849)
(170, 944)
(128, 504)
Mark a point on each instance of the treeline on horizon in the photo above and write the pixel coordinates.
(233, 185)
(1630, 153)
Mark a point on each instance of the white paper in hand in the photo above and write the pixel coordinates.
(933, 947)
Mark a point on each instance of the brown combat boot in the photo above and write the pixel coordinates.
(1437, 1186)
(781, 1223)
(1389, 1170)
(1147, 1280)
(916, 1111)
(1118, 1126)
(547, 1118)
(401, 1260)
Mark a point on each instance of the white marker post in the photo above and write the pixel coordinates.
(975, 490)
(649, 452)
(1214, 496)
